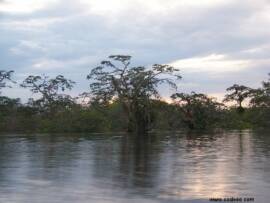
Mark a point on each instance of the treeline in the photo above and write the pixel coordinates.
(126, 98)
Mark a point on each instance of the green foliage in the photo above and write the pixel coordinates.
(51, 100)
(232, 119)
(127, 97)
(166, 116)
(5, 77)
(198, 110)
(133, 87)
(261, 97)
(238, 94)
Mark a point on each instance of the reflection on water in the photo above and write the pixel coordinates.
(161, 168)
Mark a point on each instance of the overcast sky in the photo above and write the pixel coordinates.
(214, 43)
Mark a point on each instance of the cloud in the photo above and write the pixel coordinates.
(18, 6)
(213, 42)
(46, 64)
(116, 7)
(212, 63)
(30, 24)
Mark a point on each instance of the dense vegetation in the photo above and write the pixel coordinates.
(125, 98)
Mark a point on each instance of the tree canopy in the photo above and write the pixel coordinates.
(199, 110)
(50, 89)
(134, 87)
(5, 77)
(261, 96)
(238, 94)
(127, 98)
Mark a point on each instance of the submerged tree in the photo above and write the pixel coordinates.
(238, 94)
(261, 96)
(133, 87)
(199, 111)
(49, 90)
(260, 105)
(5, 76)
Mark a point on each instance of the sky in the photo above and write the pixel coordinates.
(214, 43)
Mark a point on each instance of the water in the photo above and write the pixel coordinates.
(166, 167)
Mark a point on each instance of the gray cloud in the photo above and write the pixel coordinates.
(69, 38)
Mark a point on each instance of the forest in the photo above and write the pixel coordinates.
(122, 98)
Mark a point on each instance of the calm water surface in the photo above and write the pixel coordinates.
(167, 167)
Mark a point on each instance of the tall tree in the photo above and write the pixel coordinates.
(134, 87)
(239, 93)
(50, 89)
(5, 77)
(198, 110)
(7, 105)
(261, 96)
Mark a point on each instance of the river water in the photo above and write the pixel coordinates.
(165, 167)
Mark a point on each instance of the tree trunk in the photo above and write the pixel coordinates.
(141, 119)
(240, 108)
